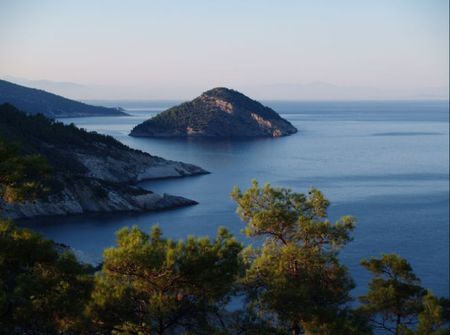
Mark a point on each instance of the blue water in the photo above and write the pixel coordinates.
(387, 163)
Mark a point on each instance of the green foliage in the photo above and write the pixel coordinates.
(249, 322)
(188, 114)
(22, 177)
(395, 297)
(345, 322)
(432, 318)
(37, 101)
(239, 100)
(293, 283)
(291, 218)
(150, 284)
(41, 291)
(36, 134)
(295, 274)
(198, 114)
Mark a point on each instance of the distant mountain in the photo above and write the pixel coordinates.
(328, 91)
(90, 172)
(318, 90)
(34, 101)
(220, 112)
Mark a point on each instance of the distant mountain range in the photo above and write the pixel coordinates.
(328, 91)
(34, 101)
(265, 92)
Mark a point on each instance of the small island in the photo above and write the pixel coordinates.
(219, 112)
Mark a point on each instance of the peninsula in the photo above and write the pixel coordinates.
(90, 172)
(34, 101)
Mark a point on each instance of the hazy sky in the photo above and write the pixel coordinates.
(175, 48)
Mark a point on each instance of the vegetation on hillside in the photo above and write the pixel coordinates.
(192, 114)
(32, 145)
(197, 114)
(21, 176)
(36, 101)
(37, 134)
(43, 290)
(205, 115)
(240, 100)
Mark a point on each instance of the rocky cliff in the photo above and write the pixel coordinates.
(90, 172)
(90, 195)
(219, 112)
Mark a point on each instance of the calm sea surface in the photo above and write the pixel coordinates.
(387, 163)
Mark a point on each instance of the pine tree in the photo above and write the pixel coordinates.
(395, 296)
(152, 285)
(296, 275)
(432, 318)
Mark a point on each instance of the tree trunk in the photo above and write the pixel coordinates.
(295, 330)
(160, 327)
(397, 326)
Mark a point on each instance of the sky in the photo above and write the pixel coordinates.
(321, 49)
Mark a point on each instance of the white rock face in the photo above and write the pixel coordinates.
(82, 199)
(134, 166)
(104, 187)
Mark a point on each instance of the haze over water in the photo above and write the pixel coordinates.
(387, 163)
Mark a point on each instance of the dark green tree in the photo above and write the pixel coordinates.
(22, 177)
(347, 321)
(248, 322)
(42, 291)
(434, 317)
(151, 285)
(295, 277)
(395, 296)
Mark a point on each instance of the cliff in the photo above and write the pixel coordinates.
(220, 112)
(85, 195)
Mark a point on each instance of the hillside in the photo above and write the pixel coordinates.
(91, 172)
(36, 101)
(220, 112)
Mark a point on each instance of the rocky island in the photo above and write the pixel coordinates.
(89, 172)
(220, 112)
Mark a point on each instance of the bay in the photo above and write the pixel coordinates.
(387, 163)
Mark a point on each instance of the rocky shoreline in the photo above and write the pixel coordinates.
(89, 172)
(109, 189)
(71, 205)
(94, 196)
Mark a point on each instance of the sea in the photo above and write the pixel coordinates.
(384, 162)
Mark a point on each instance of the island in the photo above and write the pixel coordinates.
(34, 101)
(89, 172)
(217, 113)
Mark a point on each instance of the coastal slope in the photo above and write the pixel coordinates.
(90, 172)
(220, 112)
(34, 101)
